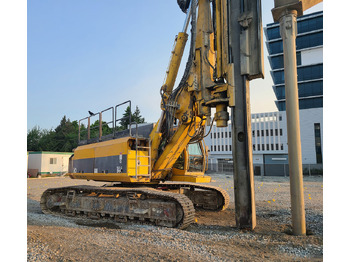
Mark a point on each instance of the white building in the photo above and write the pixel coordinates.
(47, 163)
(269, 142)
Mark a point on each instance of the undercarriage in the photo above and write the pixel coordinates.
(168, 204)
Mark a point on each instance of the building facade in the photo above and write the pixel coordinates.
(309, 53)
(270, 143)
(269, 129)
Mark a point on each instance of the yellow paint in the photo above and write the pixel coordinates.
(173, 149)
(273, 200)
(102, 149)
(142, 163)
(269, 202)
(191, 178)
(174, 63)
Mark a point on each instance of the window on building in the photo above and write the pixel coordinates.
(267, 147)
(230, 148)
(271, 132)
(211, 135)
(308, 25)
(214, 135)
(310, 72)
(211, 148)
(258, 147)
(267, 132)
(53, 161)
(253, 133)
(272, 147)
(280, 92)
(273, 33)
(218, 148)
(225, 134)
(275, 47)
(311, 103)
(218, 134)
(318, 146)
(278, 77)
(277, 62)
(281, 146)
(276, 132)
(222, 148)
(226, 147)
(257, 132)
(214, 148)
(308, 40)
(222, 134)
(313, 88)
(277, 147)
(280, 131)
(262, 132)
(281, 105)
(263, 147)
(253, 147)
(229, 134)
(280, 118)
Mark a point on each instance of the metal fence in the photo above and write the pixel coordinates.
(226, 167)
(220, 167)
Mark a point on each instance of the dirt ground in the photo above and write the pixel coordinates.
(213, 237)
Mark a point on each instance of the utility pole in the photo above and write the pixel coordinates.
(286, 12)
(245, 51)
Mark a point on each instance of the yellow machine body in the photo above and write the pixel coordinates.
(118, 160)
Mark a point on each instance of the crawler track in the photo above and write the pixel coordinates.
(167, 204)
(204, 197)
(145, 205)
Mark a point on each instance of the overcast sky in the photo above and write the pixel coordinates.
(89, 55)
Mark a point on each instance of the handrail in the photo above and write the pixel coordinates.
(101, 124)
(115, 121)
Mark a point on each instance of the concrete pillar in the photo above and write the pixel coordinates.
(288, 28)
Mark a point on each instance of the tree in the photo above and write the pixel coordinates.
(135, 117)
(64, 138)
(66, 135)
(124, 123)
(47, 140)
(33, 138)
(94, 129)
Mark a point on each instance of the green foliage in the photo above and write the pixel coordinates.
(64, 138)
(33, 138)
(135, 117)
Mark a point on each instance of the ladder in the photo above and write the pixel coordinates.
(137, 162)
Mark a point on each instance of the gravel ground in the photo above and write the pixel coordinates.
(212, 238)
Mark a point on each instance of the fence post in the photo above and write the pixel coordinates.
(309, 170)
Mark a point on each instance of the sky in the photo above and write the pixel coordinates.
(90, 55)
